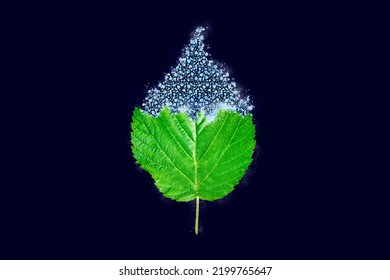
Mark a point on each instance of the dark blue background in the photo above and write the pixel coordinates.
(73, 191)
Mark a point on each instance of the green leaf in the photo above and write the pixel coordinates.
(192, 160)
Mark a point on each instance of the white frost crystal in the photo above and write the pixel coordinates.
(197, 84)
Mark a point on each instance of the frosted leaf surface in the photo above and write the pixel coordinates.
(197, 84)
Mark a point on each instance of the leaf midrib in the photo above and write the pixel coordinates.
(195, 159)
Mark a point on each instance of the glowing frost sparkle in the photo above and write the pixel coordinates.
(197, 84)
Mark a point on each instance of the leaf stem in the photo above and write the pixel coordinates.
(197, 216)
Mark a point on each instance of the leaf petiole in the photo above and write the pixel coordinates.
(197, 215)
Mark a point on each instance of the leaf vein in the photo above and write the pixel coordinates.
(166, 155)
(223, 153)
(178, 122)
(180, 144)
(215, 137)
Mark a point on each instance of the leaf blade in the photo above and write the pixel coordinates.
(190, 159)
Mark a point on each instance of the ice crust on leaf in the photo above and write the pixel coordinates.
(197, 84)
